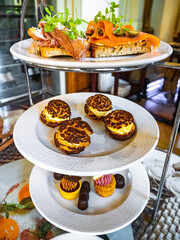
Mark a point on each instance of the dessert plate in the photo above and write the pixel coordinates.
(103, 215)
(11, 174)
(21, 51)
(70, 236)
(35, 141)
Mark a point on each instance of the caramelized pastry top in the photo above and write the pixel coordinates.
(58, 109)
(99, 102)
(118, 119)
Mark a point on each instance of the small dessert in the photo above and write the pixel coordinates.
(58, 176)
(98, 106)
(70, 187)
(120, 181)
(83, 202)
(55, 112)
(104, 185)
(73, 136)
(84, 190)
(84, 196)
(86, 185)
(120, 125)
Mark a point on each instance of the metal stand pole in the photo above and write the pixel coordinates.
(166, 164)
(23, 11)
(28, 84)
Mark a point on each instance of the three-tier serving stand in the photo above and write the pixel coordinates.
(111, 69)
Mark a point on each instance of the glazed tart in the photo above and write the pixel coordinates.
(69, 189)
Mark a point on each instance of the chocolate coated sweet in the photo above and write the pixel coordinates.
(58, 176)
(82, 202)
(120, 181)
(85, 196)
(84, 190)
(87, 185)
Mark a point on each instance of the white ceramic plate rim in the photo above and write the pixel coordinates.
(72, 236)
(10, 174)
(20, 50)
(31, 148)
(90, 224)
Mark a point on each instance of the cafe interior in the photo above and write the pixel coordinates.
(35, 161)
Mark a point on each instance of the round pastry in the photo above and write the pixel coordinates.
(120, 125)
(55, 112)
(73, 136)
(98, 106)
(69, 189)
(120, 181)
(105, 185)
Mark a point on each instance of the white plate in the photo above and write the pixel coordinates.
(154, 166)
(114, 215)
(72, 236)
(35, 141)
(13, 173)
(20, 50)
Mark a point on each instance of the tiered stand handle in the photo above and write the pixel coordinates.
(162, 64)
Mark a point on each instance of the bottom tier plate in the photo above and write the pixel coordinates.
(104, 215)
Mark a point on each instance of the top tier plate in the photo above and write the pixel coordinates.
(125, 63)
(35, 141)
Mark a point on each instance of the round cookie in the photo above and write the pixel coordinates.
(120, 124)
(55, 112)
(97, 106)
(72, 136)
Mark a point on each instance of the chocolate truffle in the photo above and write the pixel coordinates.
(84, 190)
(87, 185)
(120, 181)
(84, 196)
(82, 202)
(58, 176)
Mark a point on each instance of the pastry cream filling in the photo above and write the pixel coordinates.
(48, 116)
(65, 143)
(122, 130)
(99, 113)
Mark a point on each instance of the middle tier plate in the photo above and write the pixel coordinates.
(35, 141)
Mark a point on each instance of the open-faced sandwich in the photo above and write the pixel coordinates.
(106, 36)
(109, 37)
(57, 35)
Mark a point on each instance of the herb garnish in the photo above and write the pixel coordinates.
(111, 17)
(68, 24)
(5, 207)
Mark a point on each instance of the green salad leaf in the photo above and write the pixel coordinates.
(54, 19)
(111, 17)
